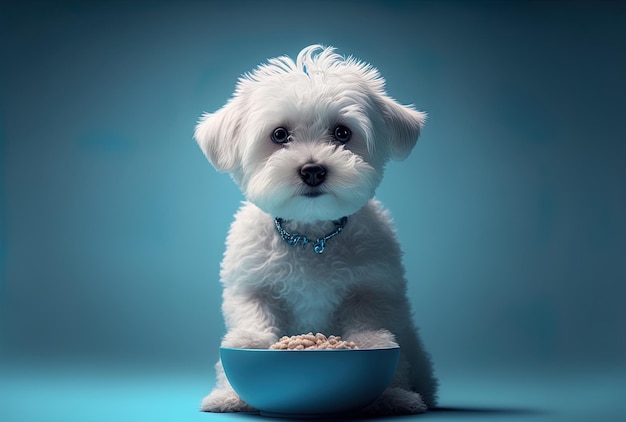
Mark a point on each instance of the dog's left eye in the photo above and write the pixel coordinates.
(280, 135)
(342, 134)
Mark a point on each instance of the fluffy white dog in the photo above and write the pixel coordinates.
(311, 250)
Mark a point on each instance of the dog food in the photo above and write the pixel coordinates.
(312, 341)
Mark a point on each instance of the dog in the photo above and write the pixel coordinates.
(311, 250)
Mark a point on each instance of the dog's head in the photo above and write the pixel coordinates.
(309, 140)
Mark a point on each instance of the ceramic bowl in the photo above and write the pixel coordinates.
(309, 383)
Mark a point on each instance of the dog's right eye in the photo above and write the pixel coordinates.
(280, 135)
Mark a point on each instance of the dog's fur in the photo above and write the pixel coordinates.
(356, 287)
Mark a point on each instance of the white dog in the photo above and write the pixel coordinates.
(311, 250)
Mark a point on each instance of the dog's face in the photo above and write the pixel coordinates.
(309, 140)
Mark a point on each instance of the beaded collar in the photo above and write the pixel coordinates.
(319, 245)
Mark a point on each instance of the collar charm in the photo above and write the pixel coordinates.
(319, 245)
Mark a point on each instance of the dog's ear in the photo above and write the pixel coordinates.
(218, 136)
(404, 125)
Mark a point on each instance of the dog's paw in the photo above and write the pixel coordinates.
(249, 339)
(224, 400)
(396, 401)
(373, 339)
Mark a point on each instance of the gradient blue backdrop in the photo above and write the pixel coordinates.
(511, 209)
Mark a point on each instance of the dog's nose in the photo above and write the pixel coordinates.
(313, 174)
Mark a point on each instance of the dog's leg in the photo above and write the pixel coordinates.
(223, 398)
(366, 318)
(372, 339)
(361, 318)
(250, 320)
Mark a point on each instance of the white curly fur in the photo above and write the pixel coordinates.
(356, 288)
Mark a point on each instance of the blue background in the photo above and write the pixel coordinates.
(511, 209)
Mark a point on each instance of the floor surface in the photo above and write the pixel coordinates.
(69, 393)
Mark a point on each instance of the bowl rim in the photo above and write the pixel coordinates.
(311, 350)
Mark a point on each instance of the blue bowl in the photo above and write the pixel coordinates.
(309, 383)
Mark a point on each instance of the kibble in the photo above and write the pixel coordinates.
(312, 341)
